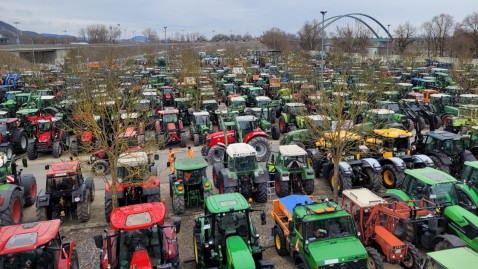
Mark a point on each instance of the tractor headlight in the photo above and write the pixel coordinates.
(92, 158)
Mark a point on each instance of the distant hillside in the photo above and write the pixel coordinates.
(10, 32)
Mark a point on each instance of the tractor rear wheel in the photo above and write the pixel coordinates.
(344, 182)
(216, 174)
(20, 142)
(261, 193)
(83, 209)
(178, 204)
(197, 250)
(309, 186)
(13, 214)
(282, 187)
(216, 154)
(262, 147)
(108, 209)
(405, 230)
(153, 198)
(275, 132)
(184, 139)
(56, 149)
(282, 125)
(42, 213)
(413, 259)
(408, 124)
(280, 242)
(32, 152)
(392, 178)
(375, 181)
(196, 140)
(100, 167)
(443, 245)
(439, 164)
(74, 148)
(374, 260)
(29, 184)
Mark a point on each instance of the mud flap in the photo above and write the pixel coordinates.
(43, 199)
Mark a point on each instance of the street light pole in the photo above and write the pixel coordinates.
(388, 38)
(33, 51)
(18, 32)
(166, 45)
(322, 52)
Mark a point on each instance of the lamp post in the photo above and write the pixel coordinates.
(18, 32)
(322, 52)
(33, 51)
(388, 39)
(166, 45)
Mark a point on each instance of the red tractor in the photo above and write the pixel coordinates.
(67, 193)
(48, 136)
(170, 128)
(242, 129)
(99, 159)
(136, 181)
(84, 140)
(36, 245)
(140, 239)
(168, 95)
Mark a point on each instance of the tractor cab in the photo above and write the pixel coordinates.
(241, 157)
(403, 88)
(140, 238)
(468, 99)
(393, 142)
(245, 125)
(438, 102)
(262, 101)
(168, 95)
(63, 177)
(442, 141)
(131, 167)
(321, 122)
(36, 245)
(129, 138)
(392, 96)
(238, 104)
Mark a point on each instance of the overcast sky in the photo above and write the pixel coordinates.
(215, 16)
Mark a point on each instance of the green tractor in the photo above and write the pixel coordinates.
(263, 101)
(456, 258)
(238, 104)
(291, 171)
(211, 106)
(225, 236)
(183, 105)
(189, 185)
(288, 115)
(241, 173)
(250, 94)
(265, 117)
(16, 191)
(200, 127)
(319, 235)
(380, 119)
(431, 188)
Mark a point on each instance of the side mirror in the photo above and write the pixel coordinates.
(177, 223)
(263, 218)
(98, 241)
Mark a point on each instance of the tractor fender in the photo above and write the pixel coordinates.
(468, 156)
(345, 168)
(119, 195)
(151, 191)
(422, 159)
(397, 162)
(6, 193)
(443, 158)
(228, 181)
(396, 194)
(261, 177)
(80, 192)
(90, 183)
(454, 240)
(253, 134)
(43, 199)
(371, 163)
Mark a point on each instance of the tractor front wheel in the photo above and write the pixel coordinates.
(196, 140)
(261, 193)
(184, 139)
(56, 149)
(178, 204)
(29, 184)
(74, 260)
(275, 132)
(83, 209)
(32, 152)
(13, 214)
(374, 260)
(100, 167)
(413, 259)
(280, 242)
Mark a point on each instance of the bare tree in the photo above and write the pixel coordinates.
(151, 35)
(351, 39)
(95, 33)
(428, 36)
(469, 26)
(113, 33)
(404, 36)
(276, 39)
(310, 35)
(441, 27)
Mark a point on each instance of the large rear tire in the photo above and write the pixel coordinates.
(153, 198)
(280, 242)
(32, 152)
(216, 154)
(184, 139)
(100, 167)
(29, 184)
(262, 147)
(83, 209)
(261, 193)
(196, 139)
(375, 181)
(13, 214)
(275, 132)
(392, 178)
(21, 142)
(178, 204)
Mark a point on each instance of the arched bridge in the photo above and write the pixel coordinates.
(359, 18)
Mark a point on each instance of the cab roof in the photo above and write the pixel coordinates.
(168, 111)
(201, 113)
(188, 164)
(63, 168)
(27, 236)
(444, 135)
(295, 104)
(223, 203)
(237, 99)
(292, 150)
(363, 197)
(381, 111)
(393, 133)
(262, 98)
(240, 150)
(135, 158)
(430, 176)
(455, 258)
(8, 120)
(138, 216)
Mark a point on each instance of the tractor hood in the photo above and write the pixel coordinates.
(171, 126)
(325, 252)
(44, 137)
(239, 253)
(87, 136)
(140, 260)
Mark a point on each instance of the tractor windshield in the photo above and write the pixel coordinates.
(209, 106)
(203, 119)
(294, 162)
(238, 104)
(37, 258)
(132, 173)
(453, 146)
(167, 118)
(442, 194)
(3, 129)
(61, 184)
(167, 90)
(191, 177)
(263, 103)
(397, 144)
(296, 110)
(44, 126)
(256, 92)
(181, 106)
(232, 223)
(243, 163)
(393, 106)
(329, 228)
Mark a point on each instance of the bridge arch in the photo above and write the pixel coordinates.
(354, 16)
